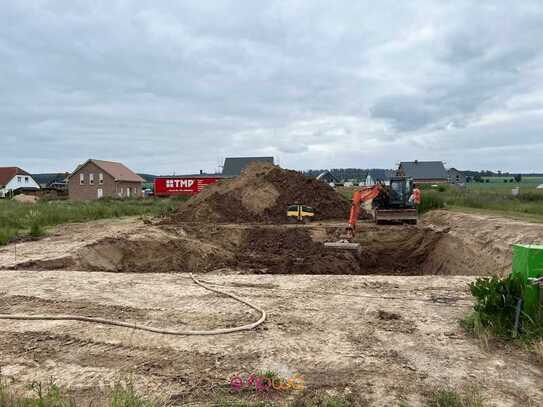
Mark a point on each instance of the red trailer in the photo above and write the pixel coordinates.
(183, 184)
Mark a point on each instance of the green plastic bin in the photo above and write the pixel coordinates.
(528, 263)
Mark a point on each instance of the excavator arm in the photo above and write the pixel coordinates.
(360, 196)
(363, 195)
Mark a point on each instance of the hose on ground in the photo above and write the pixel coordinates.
(149, 328)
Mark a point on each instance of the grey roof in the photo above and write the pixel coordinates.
(234, 165)
(49, 178)
(455, 170)
(379, 174)
(424, 169)
(327, 177)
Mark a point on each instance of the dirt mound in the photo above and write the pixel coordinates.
(25, 198)
(292, 251)
(144, 255)
(261, 194)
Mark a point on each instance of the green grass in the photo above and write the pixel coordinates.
(445, 397)
(529, 202)
(49, 394)
(498, 183)
(23, 219)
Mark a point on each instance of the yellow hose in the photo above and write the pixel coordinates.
(148, 328)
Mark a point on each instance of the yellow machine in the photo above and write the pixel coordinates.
(300, 213)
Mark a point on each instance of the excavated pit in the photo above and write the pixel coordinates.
(273, 249)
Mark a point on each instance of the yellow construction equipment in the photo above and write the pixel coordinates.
(300, 213)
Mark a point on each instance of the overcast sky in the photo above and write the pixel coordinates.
(178, 85)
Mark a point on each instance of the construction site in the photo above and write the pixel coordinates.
(378, 325)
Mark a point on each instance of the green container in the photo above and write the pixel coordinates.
(528, 263)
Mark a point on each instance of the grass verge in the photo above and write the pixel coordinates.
(447, 397)
(49, 394)
(22, 219)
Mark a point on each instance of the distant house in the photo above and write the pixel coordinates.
(97, 179)
(14, 180)
(456, 177)
(327, 177)
(373, 176)
(233, 166)
(424, 172)
(56, 181)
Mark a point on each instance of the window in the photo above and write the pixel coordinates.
(100, 178)
(19, 179)
(91, 178)
(81, 179)
(26, 180)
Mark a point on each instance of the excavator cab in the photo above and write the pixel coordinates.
(401, 189)
(395, 204)
(300, 213)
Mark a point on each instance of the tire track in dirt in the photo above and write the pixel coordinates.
(21, 304)
(170, 365)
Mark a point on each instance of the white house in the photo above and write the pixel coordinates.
(13, 179)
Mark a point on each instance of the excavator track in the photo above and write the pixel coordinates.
(395, 215)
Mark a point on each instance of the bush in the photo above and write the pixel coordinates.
(430, 200)
(495, 308)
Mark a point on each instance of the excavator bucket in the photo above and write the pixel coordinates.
(344, 245)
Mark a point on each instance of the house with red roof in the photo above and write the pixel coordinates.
(14, 180)
(97, 179)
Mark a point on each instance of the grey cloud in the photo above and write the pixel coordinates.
(166, 85)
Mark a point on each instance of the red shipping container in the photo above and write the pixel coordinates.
(183, 185)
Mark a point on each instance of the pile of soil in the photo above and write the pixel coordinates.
(25, 198)
(291, 251)
(261, 194)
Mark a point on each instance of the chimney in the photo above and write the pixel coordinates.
(201, 172)
(416, 161)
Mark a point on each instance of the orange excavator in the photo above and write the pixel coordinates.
(395, 202)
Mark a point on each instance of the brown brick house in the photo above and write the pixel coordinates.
(97, 178)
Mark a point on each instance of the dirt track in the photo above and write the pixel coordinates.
(383, 338)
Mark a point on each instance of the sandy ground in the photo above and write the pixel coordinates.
(331, 329)
(486, 237)
(381, 338)
(65, 239)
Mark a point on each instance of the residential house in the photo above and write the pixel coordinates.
(376, 175)
(233, 166)
(424, 172)
(328, 178)
(456, 177)
(53, 181)
(14, 180)
(97, 179)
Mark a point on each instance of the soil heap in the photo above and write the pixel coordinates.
(261, 194)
